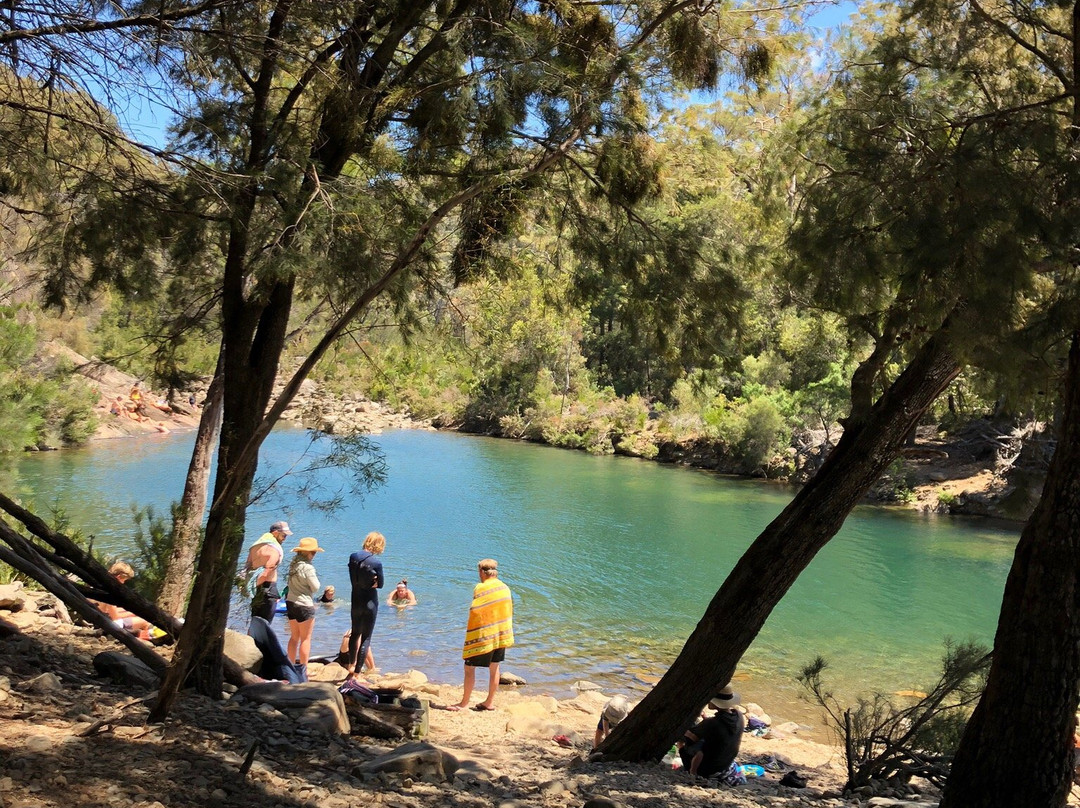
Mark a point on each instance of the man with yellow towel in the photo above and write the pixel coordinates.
(490, 631)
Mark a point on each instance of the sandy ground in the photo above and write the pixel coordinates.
(70, 738)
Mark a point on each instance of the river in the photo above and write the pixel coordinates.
(612, 560)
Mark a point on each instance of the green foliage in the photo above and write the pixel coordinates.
(884, 738)
(153, 545)
(897, 483)
(41, 402)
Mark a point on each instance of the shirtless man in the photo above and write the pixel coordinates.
(265, 556)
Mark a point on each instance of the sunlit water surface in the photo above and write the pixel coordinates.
(612, 560)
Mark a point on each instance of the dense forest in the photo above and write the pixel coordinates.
(612, 226)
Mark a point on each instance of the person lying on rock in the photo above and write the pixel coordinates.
(129, 621)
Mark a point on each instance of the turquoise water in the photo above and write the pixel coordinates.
(612, 560)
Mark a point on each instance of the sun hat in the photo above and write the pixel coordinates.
(725, 698)
(282, 526)
(616, 710)
(308, 545)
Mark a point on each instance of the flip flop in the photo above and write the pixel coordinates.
(563, 741)
(481, 708)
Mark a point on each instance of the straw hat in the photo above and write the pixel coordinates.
(308, 545)
(725, 698)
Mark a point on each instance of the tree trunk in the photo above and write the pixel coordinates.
(188, 517)
(1016, 750)
(253, 337)
(72, 559)
(776, 558)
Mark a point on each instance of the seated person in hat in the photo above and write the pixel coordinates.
(709, 747)
(614, 712)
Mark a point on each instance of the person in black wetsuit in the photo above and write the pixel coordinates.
(366, 575)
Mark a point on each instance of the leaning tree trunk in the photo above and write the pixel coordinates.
(188, 517)
(776, 558)
(1016, 750)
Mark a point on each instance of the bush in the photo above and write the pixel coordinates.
(884, 741)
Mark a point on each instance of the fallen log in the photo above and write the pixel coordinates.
(390, 721)
(73, 559)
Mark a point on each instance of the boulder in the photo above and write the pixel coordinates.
(45, 683)
(315, 705)
(240, 648)
(8, 629)
(418, 760)
(125, 670)
(12, 598)
(602, 802)
(582, 686)
(507, 678)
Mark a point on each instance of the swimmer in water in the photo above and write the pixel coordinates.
(402, 596)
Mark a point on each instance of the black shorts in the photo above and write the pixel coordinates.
(301, 614)
(485, 660)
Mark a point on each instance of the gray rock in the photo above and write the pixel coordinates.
(313, 705)
(124, 669)
(240, 648)
(45, 683)
(418, 760)
(11, 597)
(582, 686)
(507, 678)
(602, 802)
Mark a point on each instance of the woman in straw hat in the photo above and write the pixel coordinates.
(300, 605)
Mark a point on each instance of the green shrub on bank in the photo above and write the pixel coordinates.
(41, 403)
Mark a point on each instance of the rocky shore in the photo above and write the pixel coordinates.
(69, 737)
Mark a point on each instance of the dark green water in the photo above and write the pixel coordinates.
(612, 560)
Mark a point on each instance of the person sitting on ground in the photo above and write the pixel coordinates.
(709, 748)
(117, 407)
(343, 654)
(402, 596)
(327, 596)
(614, 712)
(129, 621)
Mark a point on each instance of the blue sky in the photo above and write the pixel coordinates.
(146, 119)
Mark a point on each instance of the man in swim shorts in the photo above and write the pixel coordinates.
(490, 631)
(265, 557)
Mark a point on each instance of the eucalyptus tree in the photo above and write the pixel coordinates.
(925, 225)
(1025, 60)
(327, 149)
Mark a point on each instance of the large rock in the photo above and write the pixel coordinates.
(12, 598)
(125, 670)
(315, 705)
(418, 760)
(240, 648)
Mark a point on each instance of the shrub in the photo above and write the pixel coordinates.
(883, 740)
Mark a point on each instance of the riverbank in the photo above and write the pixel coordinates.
(950, 474)
(70, 738)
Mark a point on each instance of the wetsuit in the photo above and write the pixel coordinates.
(366, 575)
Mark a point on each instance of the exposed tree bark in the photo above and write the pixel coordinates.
(1016, 750)
(187, 520)
(24, 557)
(71, 558)
(776, 558)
